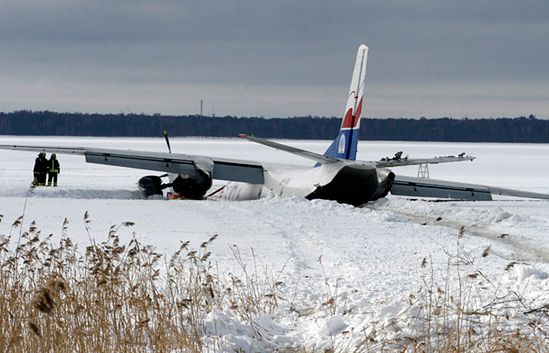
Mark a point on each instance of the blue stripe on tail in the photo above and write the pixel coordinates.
(344, 146)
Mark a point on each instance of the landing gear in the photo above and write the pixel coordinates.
(151, 185)
(184, 187)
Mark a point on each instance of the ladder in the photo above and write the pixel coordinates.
(423, 171)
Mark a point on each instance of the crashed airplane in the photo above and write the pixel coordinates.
(334, 175)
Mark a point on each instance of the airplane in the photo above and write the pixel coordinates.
(335, 175)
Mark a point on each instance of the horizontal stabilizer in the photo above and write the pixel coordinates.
(297, 151)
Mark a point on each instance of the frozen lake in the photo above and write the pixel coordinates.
(371, 256)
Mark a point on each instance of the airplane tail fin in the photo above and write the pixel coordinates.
(344, 145)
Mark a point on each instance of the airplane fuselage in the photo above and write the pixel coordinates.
(343, 182)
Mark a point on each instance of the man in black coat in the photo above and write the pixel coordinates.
(40, 169)
(53, 169)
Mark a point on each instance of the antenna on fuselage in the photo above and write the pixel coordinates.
(165, 133)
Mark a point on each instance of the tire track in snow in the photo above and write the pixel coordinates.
(526, 250)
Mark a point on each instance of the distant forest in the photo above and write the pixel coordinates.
(521, 129)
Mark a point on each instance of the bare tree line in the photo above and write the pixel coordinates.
(520, 129)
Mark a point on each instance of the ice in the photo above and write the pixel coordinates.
(345, 270)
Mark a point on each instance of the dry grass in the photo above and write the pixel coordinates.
(113, 297)
(478, 316)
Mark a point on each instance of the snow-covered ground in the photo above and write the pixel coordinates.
(368, 260)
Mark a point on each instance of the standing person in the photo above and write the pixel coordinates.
(40, 169)
(53, 170)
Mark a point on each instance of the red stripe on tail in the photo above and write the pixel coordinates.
(351, 121)
(348, 121)
(358, 111)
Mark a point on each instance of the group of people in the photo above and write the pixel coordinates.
(46, 167)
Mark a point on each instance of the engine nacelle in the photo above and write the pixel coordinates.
(192, 182)
(194, 187)
(385, 180)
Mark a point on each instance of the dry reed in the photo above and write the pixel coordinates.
(114, 297)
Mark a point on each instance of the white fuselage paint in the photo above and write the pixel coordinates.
(284, 182)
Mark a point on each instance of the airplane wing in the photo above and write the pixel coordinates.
(219, 168)
(379, 164)
(407, 161)
(422, 187)
(297, 151)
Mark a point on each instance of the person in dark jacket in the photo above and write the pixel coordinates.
(40, 169)
(53, 169)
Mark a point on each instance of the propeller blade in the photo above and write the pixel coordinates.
(165, 132)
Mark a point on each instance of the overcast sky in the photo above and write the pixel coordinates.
(476, 58)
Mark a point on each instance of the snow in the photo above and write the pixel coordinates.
(346, 271)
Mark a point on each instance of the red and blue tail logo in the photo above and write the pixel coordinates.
(345, 144)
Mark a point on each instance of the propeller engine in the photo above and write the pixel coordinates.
(192, 185)
(385, 179)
